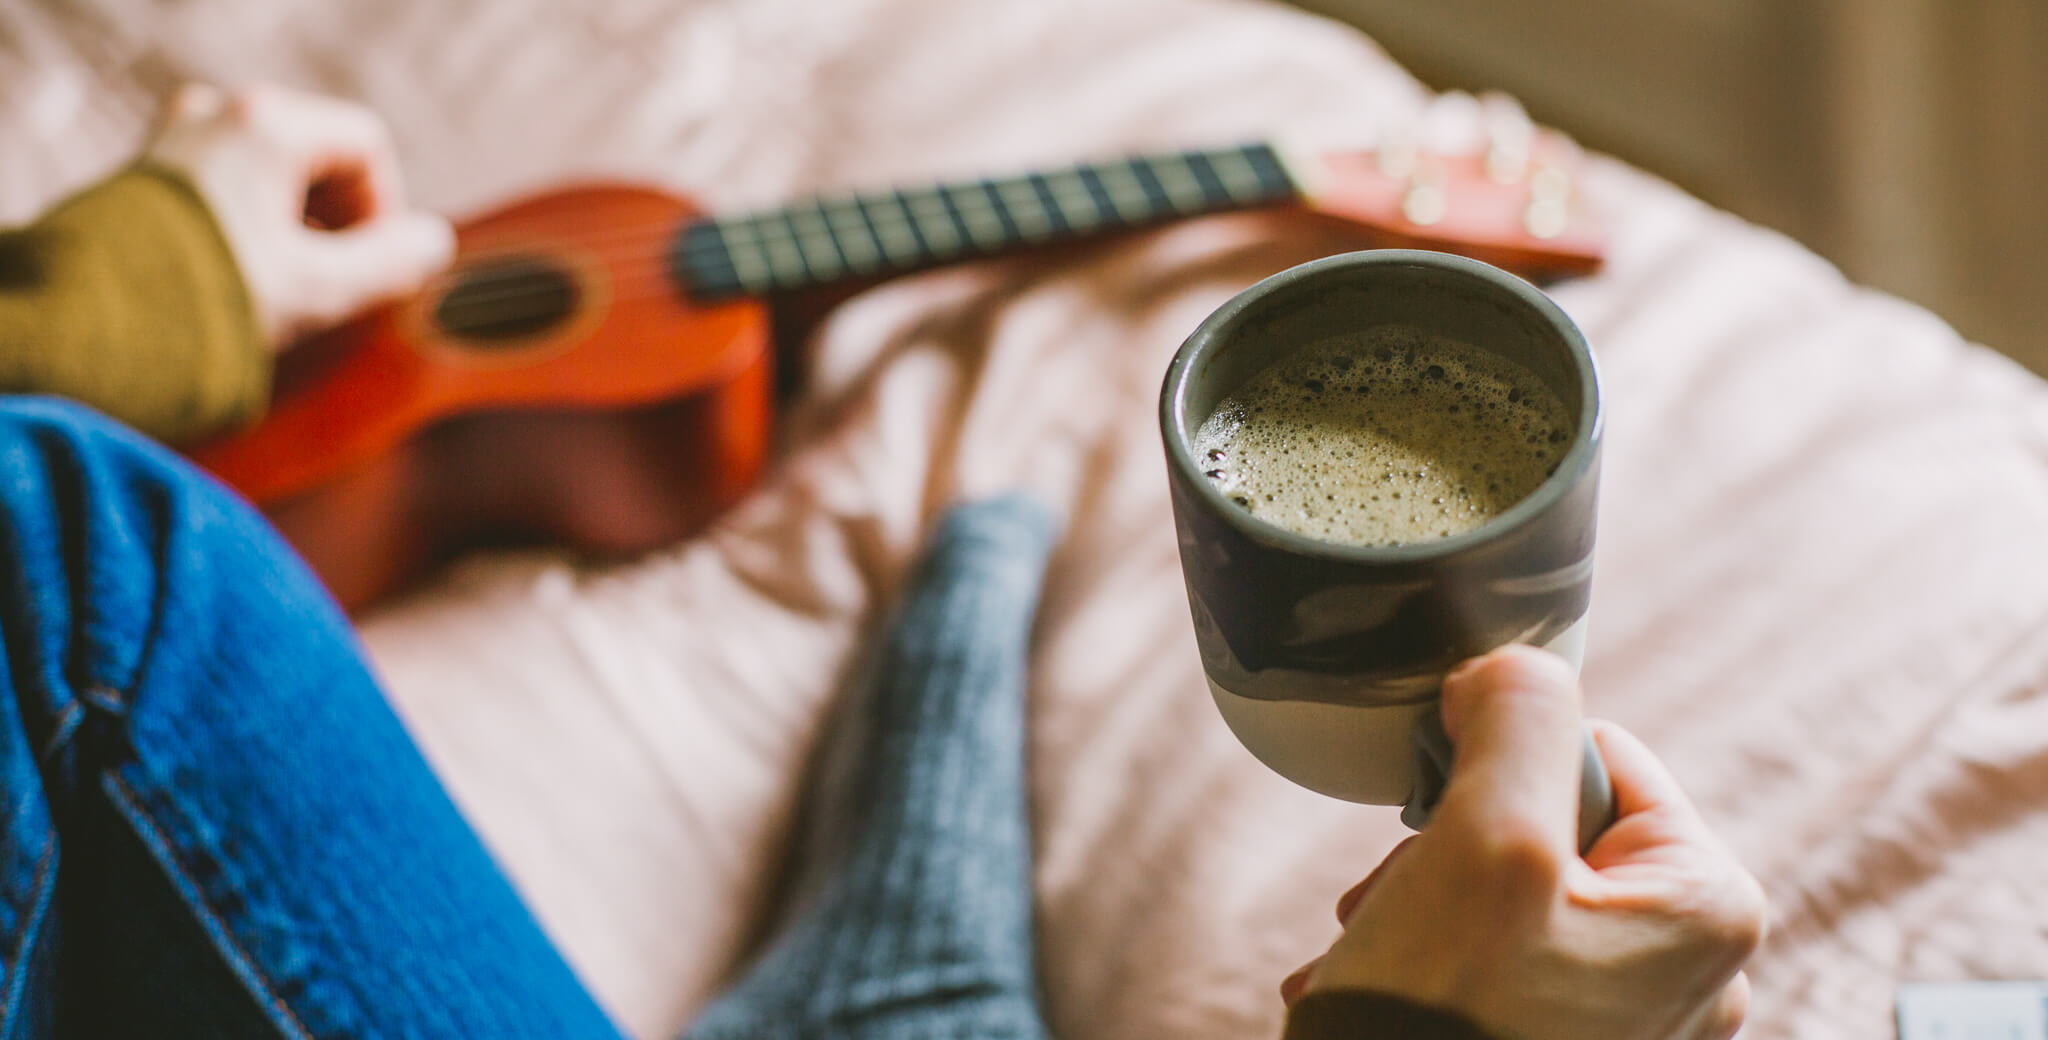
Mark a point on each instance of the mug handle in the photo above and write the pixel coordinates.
(1433, 769)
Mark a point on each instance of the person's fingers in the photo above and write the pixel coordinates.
(1350, 899)
(1660, 837)
(325, 135)
(377, 260)
(1513, 719)
(1651, 810)
(1732, 1009)
(195, 102)
(309, 124)
(1722, 1017)
(1641, 780)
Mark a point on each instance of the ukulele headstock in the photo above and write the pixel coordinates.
(1472, 176)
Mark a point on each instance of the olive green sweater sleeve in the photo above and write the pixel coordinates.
(1356, 1014)
(127, 298)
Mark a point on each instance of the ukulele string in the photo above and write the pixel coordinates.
(765, 226)
(645, 251)
(650, 248)
(648, 276)
(771, 232)
(629, 246)
(649, 266)
(639, 257)
(640, 278)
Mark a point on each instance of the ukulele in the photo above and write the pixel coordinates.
(596, 368)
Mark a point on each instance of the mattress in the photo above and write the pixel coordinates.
(1820, 586)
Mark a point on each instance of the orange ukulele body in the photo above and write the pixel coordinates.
(552, 387)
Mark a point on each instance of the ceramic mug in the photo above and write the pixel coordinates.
(1326, 659)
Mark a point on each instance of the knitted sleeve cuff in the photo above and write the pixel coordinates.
(126, 297)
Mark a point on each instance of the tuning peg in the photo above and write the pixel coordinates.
(1427, 198)
(1510, 135)
(1549, 208)
(1453, 124)
(1395, 155)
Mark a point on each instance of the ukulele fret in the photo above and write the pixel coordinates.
(979, 213)
(1127, 191)
(1202, 167)
(785, 257)
(1250, 174)
(857, 242)
(1177, 179)
(1071, 199)
(1027, 211)
(894, 227)
(748, 262)
(1117, 210)
(936, 222)
(814, 238)
(905, 229)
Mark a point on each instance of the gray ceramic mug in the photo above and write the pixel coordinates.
(1326, 659)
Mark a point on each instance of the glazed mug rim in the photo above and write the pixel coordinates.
(1218, 328)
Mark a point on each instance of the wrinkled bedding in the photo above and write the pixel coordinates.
(1822, 575)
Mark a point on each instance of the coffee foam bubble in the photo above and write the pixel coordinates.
(1385, 437)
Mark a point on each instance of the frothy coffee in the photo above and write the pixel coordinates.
(1385, 437)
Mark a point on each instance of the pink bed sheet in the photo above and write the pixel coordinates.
(1822, 574)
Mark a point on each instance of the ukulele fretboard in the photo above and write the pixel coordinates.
(856, 236)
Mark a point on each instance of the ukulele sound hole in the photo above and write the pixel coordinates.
(497, 303)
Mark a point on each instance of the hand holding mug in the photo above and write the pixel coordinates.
(1489, 912)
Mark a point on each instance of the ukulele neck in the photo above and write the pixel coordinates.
(836, 238)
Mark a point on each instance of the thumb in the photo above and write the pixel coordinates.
(1513, 719)
(376, 260)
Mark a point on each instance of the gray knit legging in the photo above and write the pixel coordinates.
(909, 917)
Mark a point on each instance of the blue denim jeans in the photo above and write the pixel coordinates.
(215, 826)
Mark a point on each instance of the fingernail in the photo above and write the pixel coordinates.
(1463, 671)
